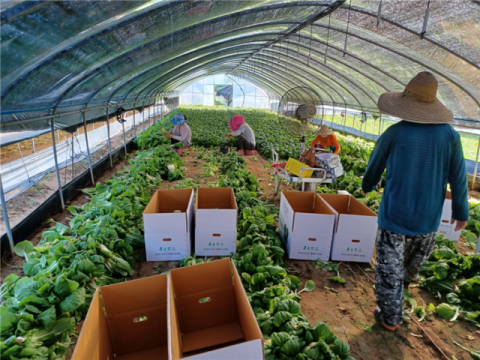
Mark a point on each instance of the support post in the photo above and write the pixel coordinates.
(73, 156)
(109, 144)
(5, 216)
(33, 145)
(88, 147)
(476, 165)
(58, 135)
(477, 249)
(23, 160)
(124, 142)
(134, 129)
(54, 147)
(143, 115)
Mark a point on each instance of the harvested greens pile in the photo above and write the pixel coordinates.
(457, 277)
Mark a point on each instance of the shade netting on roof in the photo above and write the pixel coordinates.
(59, 57)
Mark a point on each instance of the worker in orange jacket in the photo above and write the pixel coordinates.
(327, 139)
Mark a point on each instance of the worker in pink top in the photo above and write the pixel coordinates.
(244, 135)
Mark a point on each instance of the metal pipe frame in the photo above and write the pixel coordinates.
(54, 147)
(88, 147)
(108, 136)
(476, 165)
(5, 217)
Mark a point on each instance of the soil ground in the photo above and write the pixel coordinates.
(346, 308)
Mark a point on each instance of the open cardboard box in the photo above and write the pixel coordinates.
(355, 229)
(306, 225)
(133, 325)
(445, 228)
(215, 222)
(210, 316)
(167, 222)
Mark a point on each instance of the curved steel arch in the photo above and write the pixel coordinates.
(299, 74)
(350, 33)
(72, 47)
(74, 85)
(181, 76)
(314, 75)
(344, 64)
(220, 44)
(166, 37)
(321, 72)
(162, 78)
(424, 37)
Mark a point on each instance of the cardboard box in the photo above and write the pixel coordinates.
(295, 167)
(133, 325)
(215, 222)
(355, 229)
(327, 160)
(306, 225)
(445, 228)
(167, 222)
(210, 316)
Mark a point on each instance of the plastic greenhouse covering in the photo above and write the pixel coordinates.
(61, 57)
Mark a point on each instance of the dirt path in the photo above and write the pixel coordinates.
(347, 309)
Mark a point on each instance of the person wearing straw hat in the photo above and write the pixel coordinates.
(422, 154)
(327, 139)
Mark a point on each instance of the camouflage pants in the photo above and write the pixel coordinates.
(399, 258)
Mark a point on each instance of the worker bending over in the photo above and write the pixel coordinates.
(181, 132)
(327, 140)
(244, 135)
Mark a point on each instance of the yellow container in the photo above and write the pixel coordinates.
(295, 166)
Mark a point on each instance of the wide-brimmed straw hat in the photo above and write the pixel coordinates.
(324, 131)
(418, 102)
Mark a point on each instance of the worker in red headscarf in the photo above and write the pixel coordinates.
(244, 135)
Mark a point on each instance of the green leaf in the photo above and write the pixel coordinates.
(290, 306)
(247, 277)
(64, 287)
(23, 248)
(309, 286)
(338, 279)
(281, 317)
(7, 322)
(441, 270)
(453, 298)
(61, 229)
(322, 332)
(61, 326)
(294, 281)
(73, 301)
(279, 339)
(447, 311)
(291, 347)
(258, 278)
(340, 348)
(47, 318)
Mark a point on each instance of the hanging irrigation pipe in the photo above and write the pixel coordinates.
(379, 13)
(54, 147)
(346, 34)
(425, 21)
(88, 147)
(5, 216)
(328, 39)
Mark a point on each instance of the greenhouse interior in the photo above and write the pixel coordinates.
(241, 180)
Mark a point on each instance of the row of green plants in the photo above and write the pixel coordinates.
(39, 311)
(273, 293)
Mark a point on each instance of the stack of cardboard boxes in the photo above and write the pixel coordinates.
(199, 312)
(173, 221)
(326, 226)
